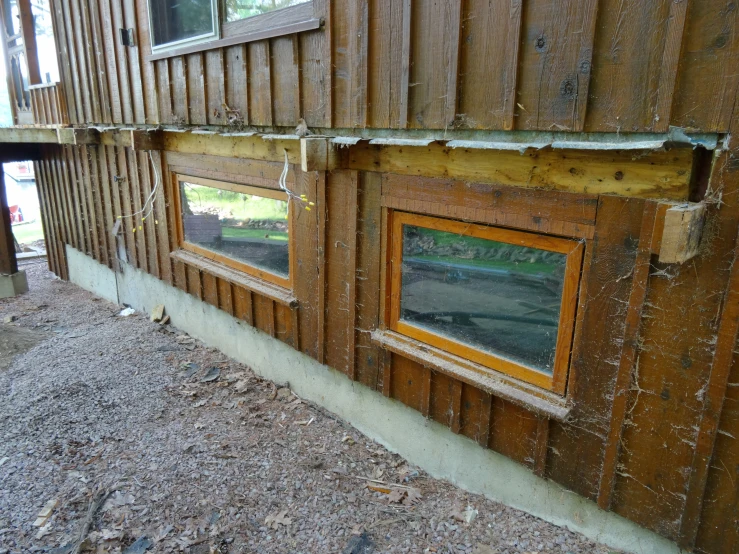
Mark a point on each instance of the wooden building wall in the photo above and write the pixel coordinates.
(550, 65)
(647, 336)
(655, 343)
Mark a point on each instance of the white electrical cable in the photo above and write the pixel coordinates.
(150, 199)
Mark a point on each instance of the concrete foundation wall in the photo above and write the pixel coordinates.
(423, 442)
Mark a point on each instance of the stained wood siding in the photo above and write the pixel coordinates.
(607, 66)
(645, 362)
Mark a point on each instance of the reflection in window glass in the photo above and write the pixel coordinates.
(500, 298)
(45, 46)
(241, 9)
(244, 227)
(177, 20)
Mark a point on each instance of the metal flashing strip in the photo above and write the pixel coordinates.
(401, 141)
(485, 145)
(274, 136)
(600, 145)
(345, 141)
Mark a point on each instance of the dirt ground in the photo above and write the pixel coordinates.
(137, 438)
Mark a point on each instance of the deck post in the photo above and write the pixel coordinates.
(12, 282)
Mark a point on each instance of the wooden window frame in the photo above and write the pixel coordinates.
(245, 267)
(557, 381)
(168, 47)
(285, 21)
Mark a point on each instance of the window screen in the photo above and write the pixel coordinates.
(241, 9)
(244, 224)
(179, 21)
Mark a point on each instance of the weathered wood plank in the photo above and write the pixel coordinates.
(432, 101)
(489, 64)
(554, 70)
(629, 352)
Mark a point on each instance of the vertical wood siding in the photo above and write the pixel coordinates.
(607, 66)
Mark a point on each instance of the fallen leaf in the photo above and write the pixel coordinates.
(412, 495)
(396, 495)
(278, 518)
(212, 374)
(139, 547)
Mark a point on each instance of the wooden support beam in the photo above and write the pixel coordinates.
(78, 136)
(28, 31)
(681, 232)
(138, 139)
(317, 154)
(8, 262)
(21, 135)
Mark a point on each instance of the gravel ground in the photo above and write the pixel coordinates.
(139, 436)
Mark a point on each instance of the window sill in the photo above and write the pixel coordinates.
(273, 292)
(532, 398)
(253, 36)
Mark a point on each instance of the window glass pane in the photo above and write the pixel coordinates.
(245, 227)
(501, 298)
(175, 20)
(241, 9)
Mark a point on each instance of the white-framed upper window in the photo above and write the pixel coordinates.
(179, 23)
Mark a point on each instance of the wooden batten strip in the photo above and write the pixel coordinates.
(63, 56)
(714, 396)
(70, 32)
(111, 65)
(486, 420)
(159, 215)
(513, 41)
(584, 62)
(121, 69)
(134, 64)
(134, 183)
(102, 168)
(452, 73)
(84, 77)
(670, 63)
(123, 184)
(541, 448)
(426, 392)
(42, 183)
(405, 64)
(455, 420)
(78, 198)
(352, 216)
(149, 216)
(386, 368)
(101, 63)
(628, 357)
(91, 168)
(90, 60)
(321, 300)
(225, 296)
(60, 176)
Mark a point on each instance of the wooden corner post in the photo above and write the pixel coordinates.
(8, 262)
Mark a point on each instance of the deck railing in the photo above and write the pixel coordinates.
(48, 104)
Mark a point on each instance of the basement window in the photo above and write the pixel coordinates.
(244, 227)
(501, 298)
